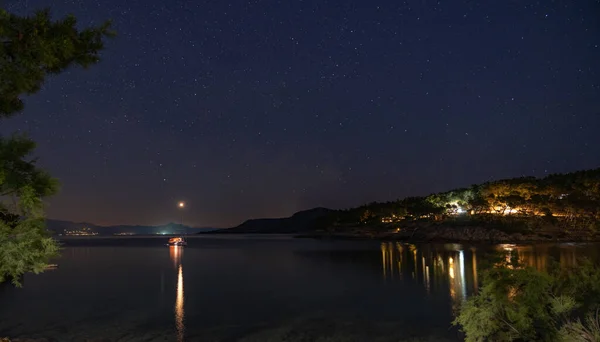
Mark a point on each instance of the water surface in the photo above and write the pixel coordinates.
(253, 289)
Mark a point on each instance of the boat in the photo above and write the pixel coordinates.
(177, 241)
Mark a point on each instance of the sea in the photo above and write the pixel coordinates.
(256, 288)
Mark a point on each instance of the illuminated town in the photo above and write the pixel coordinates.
(80, 232)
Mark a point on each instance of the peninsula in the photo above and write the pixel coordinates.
(559, 207)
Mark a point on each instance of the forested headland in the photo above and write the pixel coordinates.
(556, 207)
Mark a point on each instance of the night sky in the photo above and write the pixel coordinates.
(250, 109)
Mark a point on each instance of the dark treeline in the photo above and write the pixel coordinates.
(566, 201)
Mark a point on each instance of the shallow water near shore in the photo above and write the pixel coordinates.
(258, 288)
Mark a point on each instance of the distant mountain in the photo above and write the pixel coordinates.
(62, 227)
(303, 221)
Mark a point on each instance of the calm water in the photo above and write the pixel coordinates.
(253, 289)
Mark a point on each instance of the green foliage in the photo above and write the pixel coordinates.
(523, 304)
(578, 331)
(35, 46)
(31, 48)
(512, 304)
(25, 244)
(17, 173)
(567, 202)
(581, 282)
(26, 247)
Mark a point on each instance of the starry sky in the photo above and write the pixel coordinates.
(249, 109)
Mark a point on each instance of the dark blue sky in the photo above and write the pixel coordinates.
(263, 108)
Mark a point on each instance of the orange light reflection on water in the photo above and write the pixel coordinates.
(453, 269)
(179, 311)
(175, 253)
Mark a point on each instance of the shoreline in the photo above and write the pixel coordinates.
(438, 233)
(448, 233)
(430, 235)
(389, 237)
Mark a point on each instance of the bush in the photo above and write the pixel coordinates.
(522, 303)
(576, 331)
